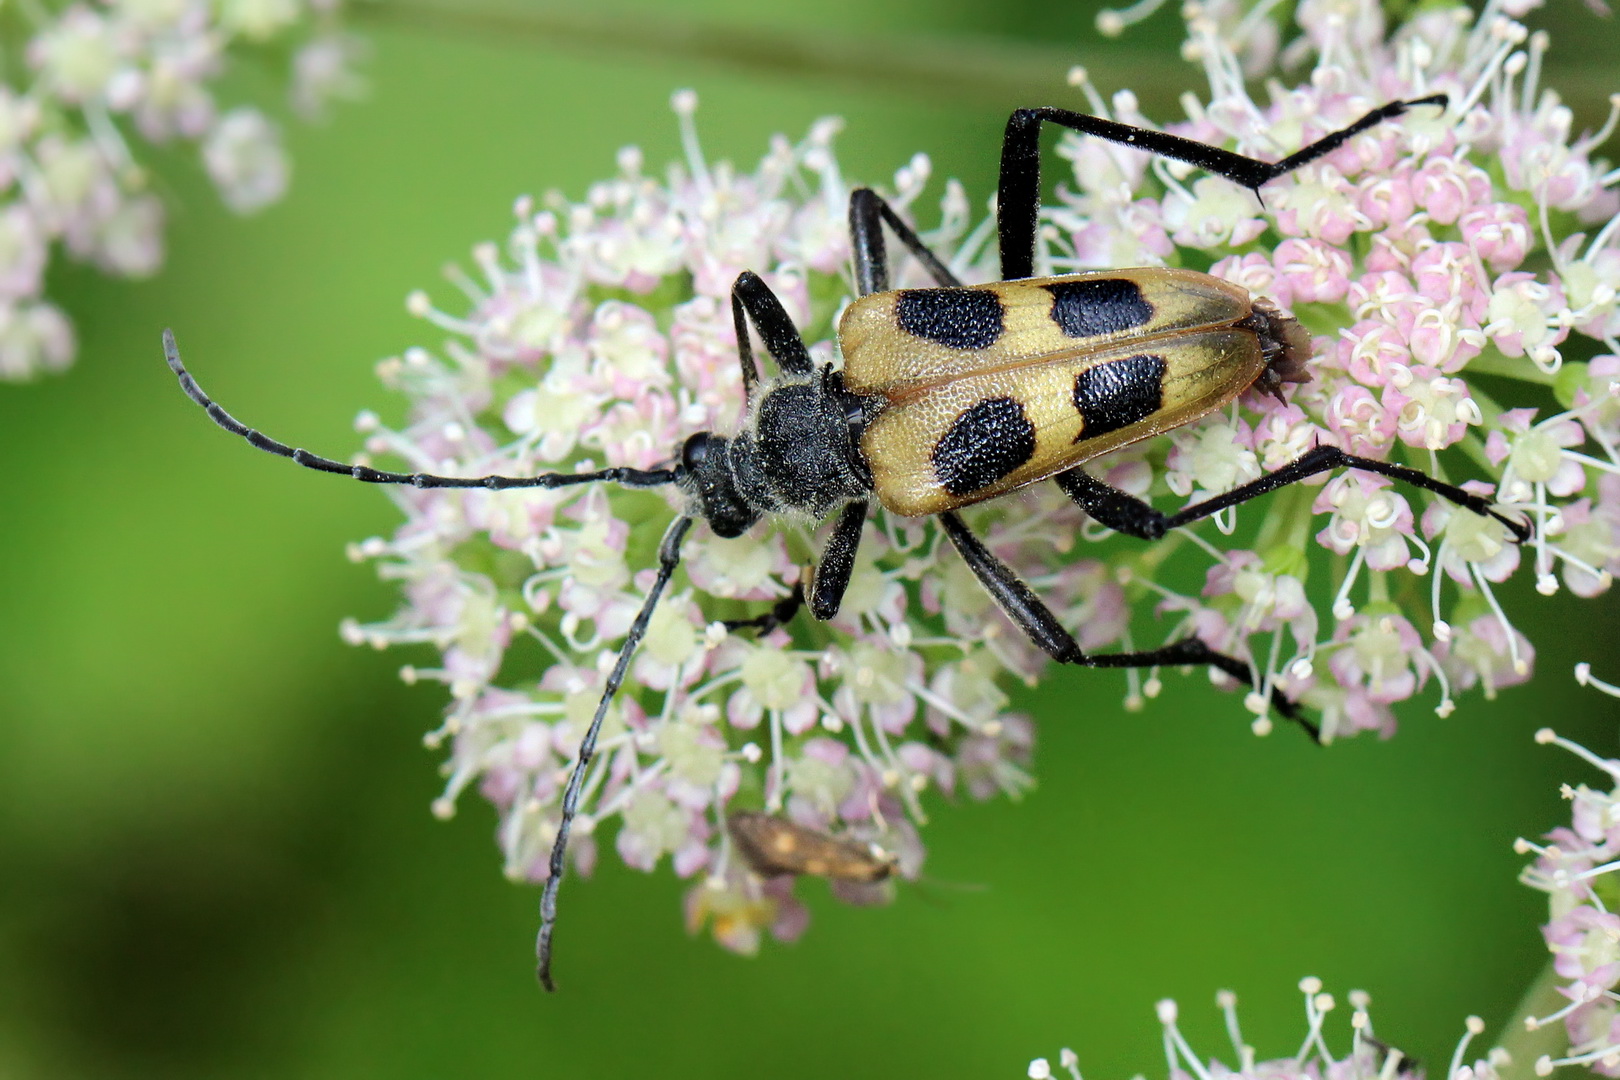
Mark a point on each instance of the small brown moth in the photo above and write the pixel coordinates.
(773, 846)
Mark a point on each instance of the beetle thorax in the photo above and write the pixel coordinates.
(797, 454)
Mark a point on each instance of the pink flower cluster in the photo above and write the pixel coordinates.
(1477, 238)
(600, 334)
(1367, 1059)
(603, 333)
(98, 79)
(1576, 866)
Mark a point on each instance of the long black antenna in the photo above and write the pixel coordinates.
(637, 478)
(669, 557)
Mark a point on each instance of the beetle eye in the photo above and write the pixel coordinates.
(696, 451)
(854, 414)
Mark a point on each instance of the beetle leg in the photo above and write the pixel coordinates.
(1008, 590)
(1018, 200)
(1130, 515)
(781, 613)
(828, 581)
(669, 557)
(1321, 459)
(1122, 512)
(1042, 627)
(867, 212)
(837, 562)
(753, 300)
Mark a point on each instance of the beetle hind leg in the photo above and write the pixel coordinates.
(1129, 515)
(1042, 627)
(1018, 198)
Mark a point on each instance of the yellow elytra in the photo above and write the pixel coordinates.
(993, 387)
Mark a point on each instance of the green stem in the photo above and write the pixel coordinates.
(963, 69)
(1521, 368)
(1286, 525)
(1525, 1045)
(1150, 558)
(1001, 72)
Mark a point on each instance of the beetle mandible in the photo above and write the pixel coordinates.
(952, 395)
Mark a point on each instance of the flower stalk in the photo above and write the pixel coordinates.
(1527, 1044)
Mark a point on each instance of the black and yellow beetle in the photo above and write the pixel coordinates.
(952, 395)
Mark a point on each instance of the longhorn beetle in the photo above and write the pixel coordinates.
(952, 395)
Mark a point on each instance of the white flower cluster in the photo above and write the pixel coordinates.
(1477, 239)
(601, 334)
(93, 81)
(604, 333)
(1367, 1058)
(1578, 867)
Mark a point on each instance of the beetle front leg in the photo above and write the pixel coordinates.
(781, 614)
(828, 581)
(832, 573)
(1042, 627)
(753, 301)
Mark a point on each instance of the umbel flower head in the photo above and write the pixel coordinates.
(1478, 239)
(1366, 1059)
(1578, 867)
(92, 83)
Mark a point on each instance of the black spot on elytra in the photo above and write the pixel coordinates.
(983, 445)
(1097, 306)
(955, 318)
(1119, 392)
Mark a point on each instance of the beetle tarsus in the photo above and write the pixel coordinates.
(781, 613)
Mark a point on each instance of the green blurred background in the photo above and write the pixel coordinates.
(214, 821)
